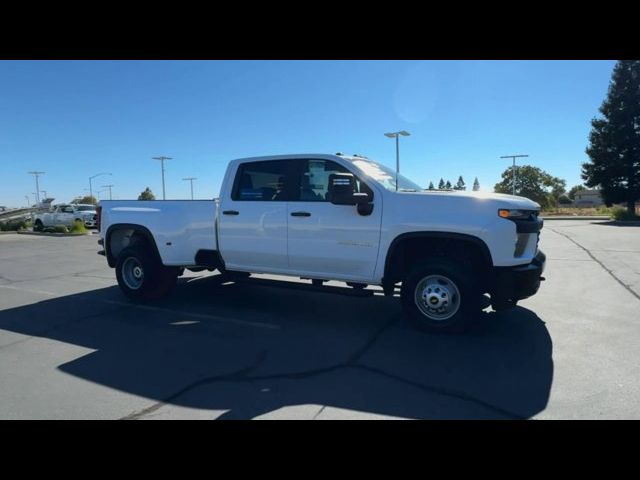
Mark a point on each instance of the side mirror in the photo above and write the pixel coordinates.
(342, 190)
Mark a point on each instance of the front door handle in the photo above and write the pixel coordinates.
(231, 212)
(300, 214)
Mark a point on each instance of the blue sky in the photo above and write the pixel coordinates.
(73, 119)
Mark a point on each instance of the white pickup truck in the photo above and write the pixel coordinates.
(335, 217)
(66, 215)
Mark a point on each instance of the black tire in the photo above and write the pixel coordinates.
(448, 281)
(156, 280)
(37, 226)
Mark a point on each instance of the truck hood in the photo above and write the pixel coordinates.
(498, 200)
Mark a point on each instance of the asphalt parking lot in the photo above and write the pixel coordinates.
(71, 346)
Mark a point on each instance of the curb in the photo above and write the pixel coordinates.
(47, 234)
(622, 223)
(593, 217)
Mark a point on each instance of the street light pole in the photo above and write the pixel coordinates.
(191, 179)
(513, 190)
(99, 192)
(109, 187)
(91, 178)
(28, 201)
(396, 135)
(37, 174)
(162, 158)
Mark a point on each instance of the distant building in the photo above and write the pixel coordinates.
(588, 198)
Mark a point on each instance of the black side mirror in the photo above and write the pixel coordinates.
(342, 190)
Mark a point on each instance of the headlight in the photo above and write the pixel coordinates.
(515, 214)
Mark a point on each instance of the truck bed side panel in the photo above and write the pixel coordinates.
(179, 227)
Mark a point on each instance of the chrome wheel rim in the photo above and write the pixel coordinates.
(132, 273)
(437, 297)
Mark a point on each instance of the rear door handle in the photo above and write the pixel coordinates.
(231, 212)
(300, 214)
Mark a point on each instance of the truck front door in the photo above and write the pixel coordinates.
(252, 221)
(327, 240)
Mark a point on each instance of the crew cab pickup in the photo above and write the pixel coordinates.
(66, 215)
(335, 217)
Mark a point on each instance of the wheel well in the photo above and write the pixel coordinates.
(408, 249)
(119, 237)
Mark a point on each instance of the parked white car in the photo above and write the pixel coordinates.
(66, 214)
(333, 217)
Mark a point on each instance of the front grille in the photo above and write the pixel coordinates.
(521, 244)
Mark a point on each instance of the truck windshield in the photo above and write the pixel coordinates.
(85, 208)
(386, 176)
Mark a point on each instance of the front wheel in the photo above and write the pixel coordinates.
(38, 226)
(143, 277)
(441, 296)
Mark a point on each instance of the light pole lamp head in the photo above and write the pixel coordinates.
(97, 175)
(404, 133)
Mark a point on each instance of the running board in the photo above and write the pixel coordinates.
(348, 291)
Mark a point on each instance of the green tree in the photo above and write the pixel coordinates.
(558, 189)
(476, 185)
(431, 187)
(614, 140)
(87, 199)
(147, 195)
(575, 189)
(441, 184)
(533, 183)
(447, 185)
(460, 184)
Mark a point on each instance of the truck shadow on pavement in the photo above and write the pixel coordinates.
(249, 349)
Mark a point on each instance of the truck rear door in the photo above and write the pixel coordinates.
(64, 215)
(55, 217)
(252, 221)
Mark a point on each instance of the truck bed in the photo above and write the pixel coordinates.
(179, 227)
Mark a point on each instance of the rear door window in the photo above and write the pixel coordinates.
(268, 181)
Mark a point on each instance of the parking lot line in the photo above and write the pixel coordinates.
(40, 292)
